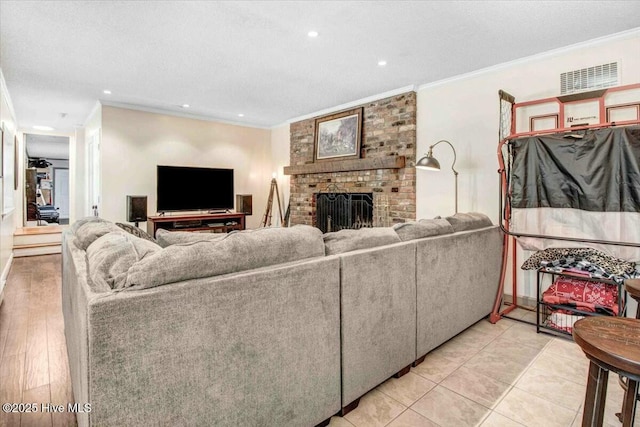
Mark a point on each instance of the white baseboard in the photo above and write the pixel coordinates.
(5, 274)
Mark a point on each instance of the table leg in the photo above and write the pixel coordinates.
(596, 395)
(629, 405)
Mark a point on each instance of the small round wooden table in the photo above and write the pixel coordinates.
(632, 286)
(611, 344)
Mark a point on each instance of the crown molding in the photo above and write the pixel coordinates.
(346, 106)
(635, 32)
(193, 116)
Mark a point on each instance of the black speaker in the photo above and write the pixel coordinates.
(243, 204)
(136, 208)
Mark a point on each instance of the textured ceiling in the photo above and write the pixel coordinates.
(254, 58)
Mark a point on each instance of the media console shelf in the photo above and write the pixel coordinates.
(214, 222)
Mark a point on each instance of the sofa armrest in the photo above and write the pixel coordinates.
(260, 347)
(457, 281)
(76, 293)
(378, 316)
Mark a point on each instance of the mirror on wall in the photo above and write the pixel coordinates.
(46, 180)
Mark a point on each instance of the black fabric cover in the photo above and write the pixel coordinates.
(600, 172)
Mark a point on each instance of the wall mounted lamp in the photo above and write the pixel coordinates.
(429, 162)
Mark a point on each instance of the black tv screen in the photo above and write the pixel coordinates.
(188, 189)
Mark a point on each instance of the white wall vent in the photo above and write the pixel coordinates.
(596, 77)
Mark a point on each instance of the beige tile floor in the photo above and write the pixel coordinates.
(498, 375)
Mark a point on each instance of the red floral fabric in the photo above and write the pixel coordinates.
(587, 296)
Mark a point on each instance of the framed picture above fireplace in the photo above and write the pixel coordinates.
(338, 136)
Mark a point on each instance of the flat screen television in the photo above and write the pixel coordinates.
(183, 188)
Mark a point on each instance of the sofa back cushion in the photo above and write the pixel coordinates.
(136, 231)
(469, 221)
(342, 241)
(82, 221)
(424, 228)
(110, 257)
(89, 231)
(167, 238)
(237, 251)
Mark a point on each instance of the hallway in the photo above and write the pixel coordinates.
(33, 353)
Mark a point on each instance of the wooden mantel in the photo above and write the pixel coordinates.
(388, 162)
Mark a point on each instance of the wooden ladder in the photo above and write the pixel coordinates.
(266, 219)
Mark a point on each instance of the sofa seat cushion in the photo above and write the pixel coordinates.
(110, 257)
(469, 221)
(412, 230)
(89, 231)
(167, 238)
(342, 241)
(237, 251)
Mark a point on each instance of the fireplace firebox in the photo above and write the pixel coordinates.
(338, 211)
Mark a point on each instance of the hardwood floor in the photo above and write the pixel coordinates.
(33, 353)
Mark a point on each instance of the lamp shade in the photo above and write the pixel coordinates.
(428, 163)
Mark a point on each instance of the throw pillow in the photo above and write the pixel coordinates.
(350, 240)
(132, 229)
(239, 251)
(167, 238)
(110, 257)
(424, 228)
(468, 221)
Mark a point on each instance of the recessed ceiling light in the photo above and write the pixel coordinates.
(39, 127)
(382, 63)
(185, 105)
(312, 34)
(106, 92)
(240, 115)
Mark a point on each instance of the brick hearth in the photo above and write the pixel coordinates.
(388, 130)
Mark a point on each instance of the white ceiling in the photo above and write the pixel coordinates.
(47, 147)
(255, 58)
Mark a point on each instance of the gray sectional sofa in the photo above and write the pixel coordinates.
(278, 326)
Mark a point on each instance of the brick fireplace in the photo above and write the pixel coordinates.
(385, 169)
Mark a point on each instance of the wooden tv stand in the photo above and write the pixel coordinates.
(213, 222)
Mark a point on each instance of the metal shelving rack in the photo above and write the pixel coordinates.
(543, 308)
(507, 132)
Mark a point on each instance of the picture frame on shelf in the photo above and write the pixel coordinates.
(338, 136)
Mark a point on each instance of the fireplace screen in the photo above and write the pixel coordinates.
(337, 211)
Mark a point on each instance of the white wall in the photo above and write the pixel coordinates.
(135, 142)
(77, 180)
(7, 219)
(465, 111)
(92, 127)
(280, 157)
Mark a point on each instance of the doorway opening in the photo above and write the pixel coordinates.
(46, 180)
